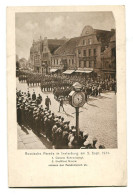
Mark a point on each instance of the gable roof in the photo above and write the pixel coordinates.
(68, 47)
(54, 44)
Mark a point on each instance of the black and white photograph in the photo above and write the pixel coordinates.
(66, 83)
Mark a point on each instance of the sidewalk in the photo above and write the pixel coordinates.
(28, 140)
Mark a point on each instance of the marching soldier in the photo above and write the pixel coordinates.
(61, 104)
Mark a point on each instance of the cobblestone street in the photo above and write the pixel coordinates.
(97, 117)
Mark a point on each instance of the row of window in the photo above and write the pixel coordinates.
(36, 58)
(56, 61)
(70, 61)
(45, 55)
(87, 64)
(87, 42)
(89, 52)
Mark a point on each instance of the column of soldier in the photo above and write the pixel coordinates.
(55, 83)
(31, 115)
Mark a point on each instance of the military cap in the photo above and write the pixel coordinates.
(42, 113)
(73, 130)
(55, 119)
(86, 143)
(94, 139)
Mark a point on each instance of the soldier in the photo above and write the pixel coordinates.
(28, 94)
(40, 98)
(59, 137)
(61, 104)
(54, 129)
(47, 121)
(94, 143)
(47, 102)
(18, 114)
(33, 96)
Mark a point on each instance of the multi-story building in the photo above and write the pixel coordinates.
(108, 58)
(64, 58)
(92, 44)
(84, 54)
(41, 53)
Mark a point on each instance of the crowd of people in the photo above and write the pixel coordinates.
(32, 115)
(61, 85)
(34, 79)
(61, 92)
(50, 82)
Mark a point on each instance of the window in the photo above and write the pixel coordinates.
(84, 42)
(57, 61)
(84, 64)
(45, 55)
(72, 61)
(79, 52)
(89, 52)
(90, 41)
(95, 64)
(94, 52)
(69, 61)
(89, 64)
(84, 52)
(80, 64)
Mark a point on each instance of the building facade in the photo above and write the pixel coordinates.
(41, 53)
(87, 53)
(108, 58)
(65, 57)
(94, 51)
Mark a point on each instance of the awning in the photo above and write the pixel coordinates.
(68, 71)
(84, 71)
(53, 70)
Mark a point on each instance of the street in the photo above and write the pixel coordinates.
(97, 116)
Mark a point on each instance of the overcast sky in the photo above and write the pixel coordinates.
(30, 26)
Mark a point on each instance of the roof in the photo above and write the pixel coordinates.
(104, 36)
(68, 47)
(54, 44)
